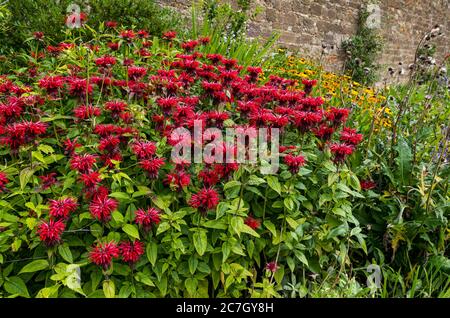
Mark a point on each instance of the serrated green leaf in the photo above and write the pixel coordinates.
(15, 286)
(200, 242)
(65, 253)
(109, 289)
(34, 266)
(152, 252)
(131, 230)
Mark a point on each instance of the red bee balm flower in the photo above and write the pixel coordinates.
(178, 180)
(82, 163)
(152, 166)
(103, 254)
(308, 84)
(3, 181)
(294, 162)
(136, 72)
(62, 208)
(169, 35)
(146, 218)
(48, 180)
(341, 151)
(252, 222)
(143, 149)
(50, 233)
(367, 184)
(272, 266)
(350, 136)
(90, 179)
(206, 199)
(101, 208)
(131, 252)
(111, 24)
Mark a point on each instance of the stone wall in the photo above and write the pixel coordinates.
(305, 25)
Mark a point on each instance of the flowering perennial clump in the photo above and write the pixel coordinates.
(91, 146)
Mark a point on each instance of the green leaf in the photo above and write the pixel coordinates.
(254, 180)
(162, 227)
(274, 184)
(289, 204)
(34, 266)
(403, 160)
(15, 286)
(24, 177)
(271, 227)
(231, 184)
(65, 253)
(117, 216)
(48, 292)
(109, 289)
(237, 224)
(144, 279)
(152, 252)
(192, 262)
(247, 229)
(191, 285)
(46, 149)
(301, 257)
(200, 242)
(120, 195)
(38, 155)
(215, 224)
(131, 230)
(337, 231)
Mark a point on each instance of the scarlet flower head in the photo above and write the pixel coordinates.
(60, 209)
(131, 251)
(147, 218)
(102, 207)
(82, 163)
(79, 87)
(337, 116)
(90, 179)
(341, 151)
(21, 133)
(86, 112)
(177, 180)
(190, 45)
(294, 162)
(308, 85)
(169, 35)
(367, 184)
(127, 35)
(111, 24)
(272, 266)
(143, 34)
(70, 146)
(152, 166)
(110, 144)
(206, 199)
(50, 232)
(143, 149)
(323, 132)
(48, 180)
(106, 61)
(38, 35)
(136, 72)
(350, 136)
(3, 181)
(252, 222)
(103, 253)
